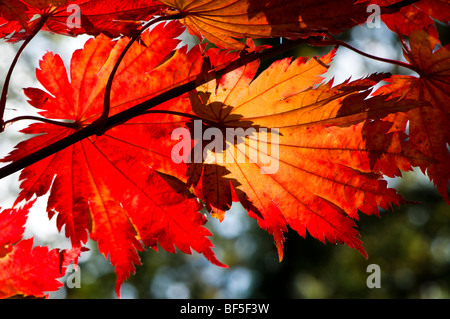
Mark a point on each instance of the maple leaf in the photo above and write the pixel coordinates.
(12, 225)
(417, 16)
(24, 270)
(428, 126)
(112, 18)
(306, 155)
(222, 21)
(113, 186)
(13, 17)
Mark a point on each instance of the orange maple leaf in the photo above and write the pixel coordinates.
(307, 155)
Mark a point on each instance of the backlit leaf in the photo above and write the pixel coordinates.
(108, 187)
(26, 270)
(222, 22)
(428, 126)
(305, 156)
(417, 16)
(74, 17)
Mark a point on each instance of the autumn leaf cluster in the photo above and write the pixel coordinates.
(103, 144)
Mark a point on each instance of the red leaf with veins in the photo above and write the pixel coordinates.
(110, 187)
(24, 270)
(416, 16)
(112, 18)
(428, 126)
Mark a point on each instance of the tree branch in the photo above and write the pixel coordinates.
(141, 108)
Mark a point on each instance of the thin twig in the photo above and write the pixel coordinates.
(4, 95)
(370, 56)
(186, 115)
(73, 125)
(100, 122)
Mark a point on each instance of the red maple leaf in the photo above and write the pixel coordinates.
(428, 126)
(112, 18)
(26, 270)
(416, 16)
(114, 187)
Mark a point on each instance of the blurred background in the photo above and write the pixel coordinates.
(411, 244)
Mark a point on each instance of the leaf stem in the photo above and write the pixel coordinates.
(4, 95)
(367, 55)
(190, 116)
(73, 125)
(186, 115)
(100, 122)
